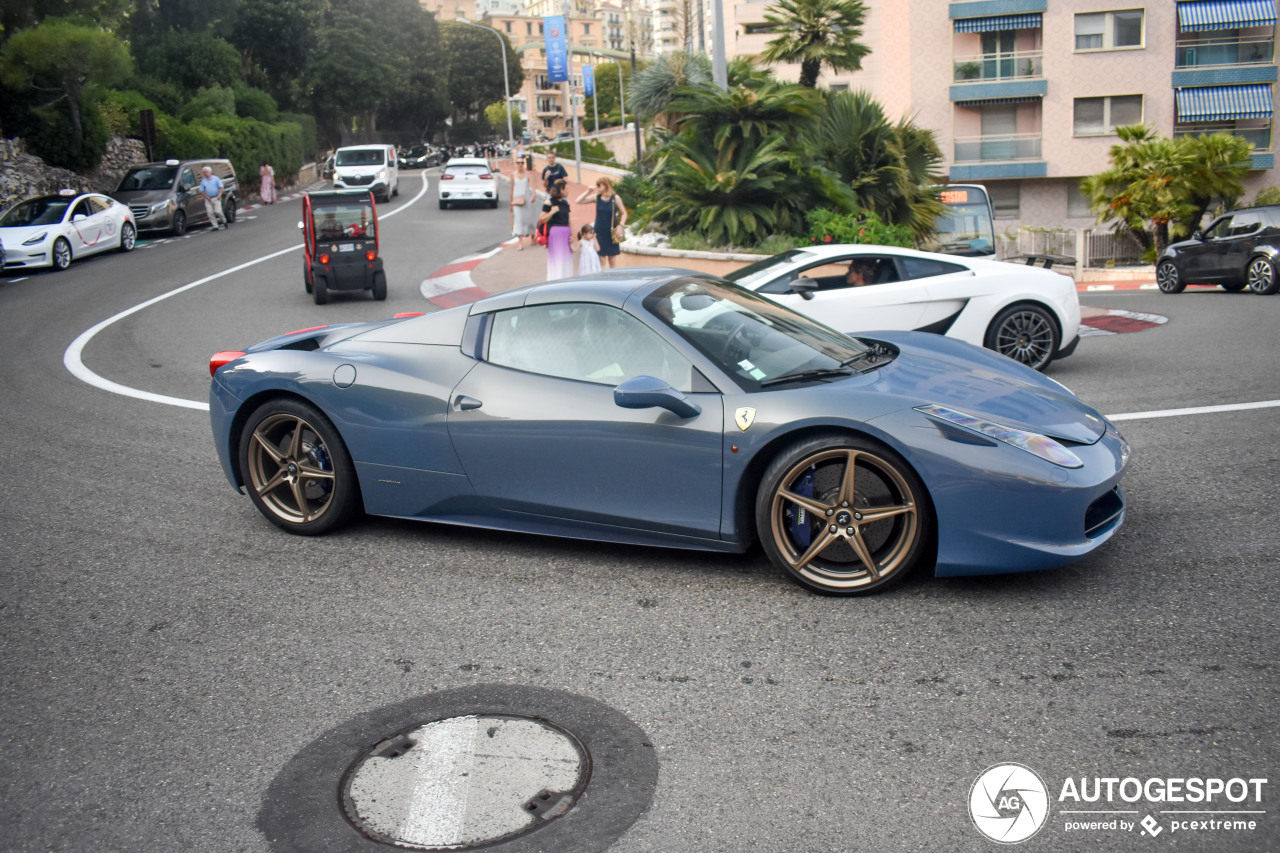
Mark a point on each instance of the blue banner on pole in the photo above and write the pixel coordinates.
(557, 48)
(588, 81)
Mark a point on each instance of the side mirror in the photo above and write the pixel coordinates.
(300, 226)
(805, 287)
(1197, 235)
(646, 392)
(78, 217)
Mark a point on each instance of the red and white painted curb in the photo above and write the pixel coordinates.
(452, 285)
(1117, 322)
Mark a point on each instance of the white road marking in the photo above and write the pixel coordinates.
(1198, 410)
(72, 358)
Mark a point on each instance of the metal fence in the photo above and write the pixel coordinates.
(1104, 248)
(1093, 247)
(1025, 241)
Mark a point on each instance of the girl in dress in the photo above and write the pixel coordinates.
(611, 214)
(588, 250)
(524, 216)
(267, 184)
(556, 214)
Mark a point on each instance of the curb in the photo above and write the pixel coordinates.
(452, 285)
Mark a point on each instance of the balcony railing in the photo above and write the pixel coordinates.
(983, 68)
(1238, 51)
(984, 149)
(1259, 136)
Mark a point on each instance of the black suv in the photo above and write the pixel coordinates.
(1239, 249)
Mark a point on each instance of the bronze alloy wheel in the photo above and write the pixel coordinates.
(1025, 333)
(296, 469)
(842, 515)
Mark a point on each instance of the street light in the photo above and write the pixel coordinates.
(506, 85)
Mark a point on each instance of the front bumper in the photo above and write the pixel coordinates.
(29, 257)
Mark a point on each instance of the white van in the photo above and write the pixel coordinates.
(367, 167)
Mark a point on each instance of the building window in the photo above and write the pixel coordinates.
(1101, 116)
(1006, 199)
(586, 29)
(528, 28)
(1078, 206)
(1109, 30)
(507, 24)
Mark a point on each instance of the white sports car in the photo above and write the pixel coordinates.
(1028, 313)
(51, 230)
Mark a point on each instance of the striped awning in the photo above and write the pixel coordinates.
(1204, 15)
(982, 102)
(998, 22)
(1224, 103)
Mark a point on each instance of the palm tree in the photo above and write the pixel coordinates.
(650, 91)
(741, 112)
(815, 33)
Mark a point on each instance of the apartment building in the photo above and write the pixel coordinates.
(1025, 95)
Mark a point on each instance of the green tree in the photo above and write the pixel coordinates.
(351, 77)
(495, 115)
(65, 64)
(194, 61)
(475, 66)
(815, 33)
(18, 15)
(652, 88)
(276, 40)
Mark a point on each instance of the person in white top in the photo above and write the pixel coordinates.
(588, 250)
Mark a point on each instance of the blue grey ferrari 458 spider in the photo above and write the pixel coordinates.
(658, 407)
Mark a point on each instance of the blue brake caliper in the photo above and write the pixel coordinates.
(320, 454)
(797, 516)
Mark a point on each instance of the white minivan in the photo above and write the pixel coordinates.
(367, 167)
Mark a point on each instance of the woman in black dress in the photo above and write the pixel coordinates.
(611, 215)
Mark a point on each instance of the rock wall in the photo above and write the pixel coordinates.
(23, 175)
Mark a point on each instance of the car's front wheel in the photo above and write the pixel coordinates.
(1025, 333)
(1261, 276)
(296, 468)
(1168, 279)
(128, 237)
(230, 211)
(61, 254)
(842, 515)
(179, 226)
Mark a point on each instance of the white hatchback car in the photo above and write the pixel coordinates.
(1028, 313)
(52, 230)
(468, 179)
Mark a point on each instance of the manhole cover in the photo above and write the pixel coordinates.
(464, 782)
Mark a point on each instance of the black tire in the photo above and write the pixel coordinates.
(296, 468)
(1261, 276)
(128, 237)
(230, 211)
(1169, 279)
(306, 275)
(179, 226)
(319, 292)
(379, 286)
(1026, 333)
(61, 255)
(396, 190)
(444, 205)
(494, 203)
(849, 538)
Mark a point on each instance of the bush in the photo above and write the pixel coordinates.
(828, 226)
(1267, 195)
(129, 104)
(776, 244)
(592, 150)
(52, 139)
(255, 103)
(165, 95)
(214, 101)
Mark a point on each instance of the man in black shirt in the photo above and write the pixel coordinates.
(553, 171)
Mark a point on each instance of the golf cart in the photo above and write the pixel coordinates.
(340, 238)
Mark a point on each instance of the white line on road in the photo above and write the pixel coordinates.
(73, 360)
(1199, 410)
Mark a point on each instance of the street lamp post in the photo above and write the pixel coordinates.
(506, 78)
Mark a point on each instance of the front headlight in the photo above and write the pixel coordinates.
(36, 240)
(159, 206)
(1032, 442)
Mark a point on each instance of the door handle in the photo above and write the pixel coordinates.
(463, 403)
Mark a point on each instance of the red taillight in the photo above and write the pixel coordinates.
(486, 177)
(404, 314)
(221, 358)
(370, 255)
(324, 259)
(446, 177)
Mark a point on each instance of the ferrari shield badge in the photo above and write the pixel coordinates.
(744, 417)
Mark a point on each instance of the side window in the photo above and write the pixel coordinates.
(188, 180)
(82, 208)
(99, 204)
(926, 267)
(1219, 229)
(828, 276)
(586, 343)
(1245, 223)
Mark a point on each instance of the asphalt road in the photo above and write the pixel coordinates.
(166, 651)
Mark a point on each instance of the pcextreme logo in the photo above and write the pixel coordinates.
(1009, 803)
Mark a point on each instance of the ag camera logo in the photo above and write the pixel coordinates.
(1009, 803)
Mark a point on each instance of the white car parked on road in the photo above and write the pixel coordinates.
(1028, 313)
(52, 230)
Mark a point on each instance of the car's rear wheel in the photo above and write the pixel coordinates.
(61, 254)
(128, 237)
(444, 205)
(296, 468)
(1026, 333)
(179, 224)
(319, 291)
(842, 515)
(1261, 276)
(1168, 279)
(379, 286)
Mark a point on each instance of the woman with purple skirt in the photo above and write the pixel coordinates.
(556, 214)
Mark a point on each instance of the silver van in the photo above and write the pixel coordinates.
(166, 196)
(367, 168)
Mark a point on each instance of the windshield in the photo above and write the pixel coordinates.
(465, 170)
(749, 337)
(768, 268)
(334, 222)
(360, 157)
(148, 178)
(46, 210)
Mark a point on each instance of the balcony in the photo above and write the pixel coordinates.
(987, 149)
(995, 67)
(1228, 51)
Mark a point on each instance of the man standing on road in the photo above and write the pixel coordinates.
(553, 171)
(211, 192)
